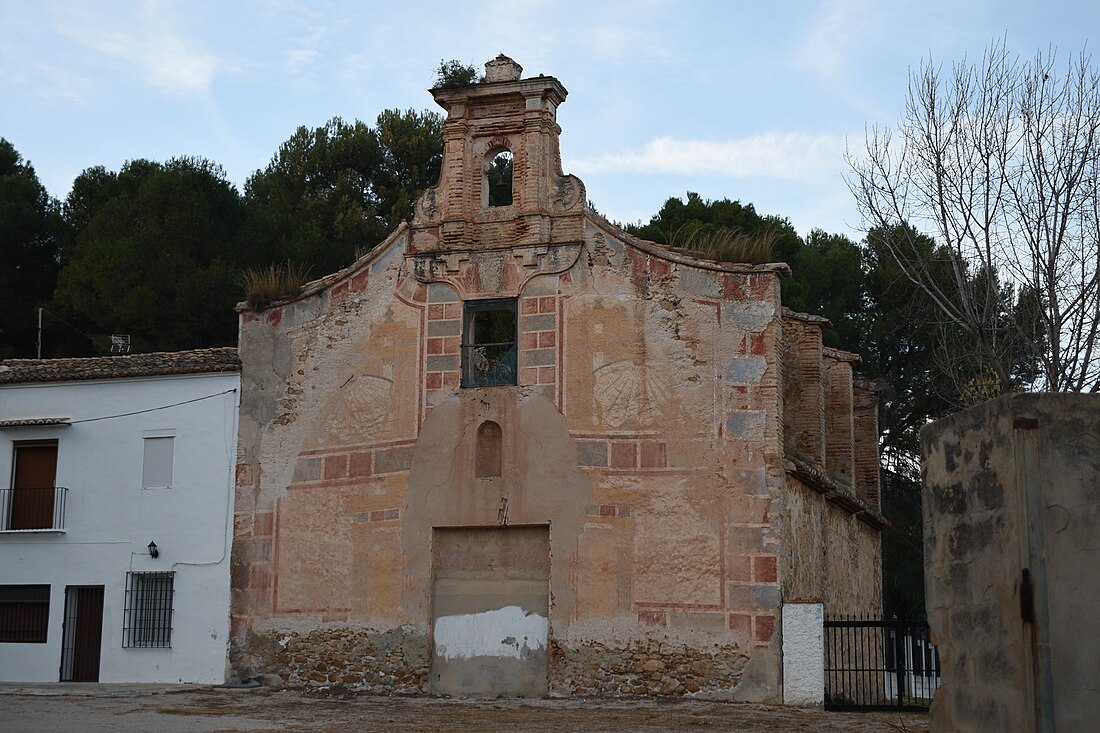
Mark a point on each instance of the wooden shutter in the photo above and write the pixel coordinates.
(35, 477)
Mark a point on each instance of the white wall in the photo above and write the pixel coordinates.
(804, 654)
(110, 519)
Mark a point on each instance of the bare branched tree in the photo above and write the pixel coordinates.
(1000, 162)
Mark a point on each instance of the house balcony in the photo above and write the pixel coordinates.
(33, 509)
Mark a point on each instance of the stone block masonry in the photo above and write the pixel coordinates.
(397, 662)
(648, 668)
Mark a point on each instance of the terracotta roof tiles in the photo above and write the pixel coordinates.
(197, 361)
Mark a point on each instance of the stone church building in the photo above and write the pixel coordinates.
(514, 450)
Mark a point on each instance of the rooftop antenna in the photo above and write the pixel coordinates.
(120, 343)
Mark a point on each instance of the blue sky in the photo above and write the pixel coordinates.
(750, 101)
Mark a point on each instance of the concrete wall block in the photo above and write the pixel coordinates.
(739, 598)
(746, 540)
(765, 598)
(307, 469)
(804, 654)
(746, 370)
(592, 453)
(753, 481)
(745, 424)
(541, 322)
(540, 357)
(445, 328)
(442, 363)
(391, 460)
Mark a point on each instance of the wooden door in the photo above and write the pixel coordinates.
(32, 500)
(83, 633)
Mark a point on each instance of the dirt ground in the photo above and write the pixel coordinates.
(103, 708)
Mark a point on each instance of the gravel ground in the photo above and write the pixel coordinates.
(92, 709)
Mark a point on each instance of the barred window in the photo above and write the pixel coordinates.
(148, 615)
(24, 613)
(489, 343)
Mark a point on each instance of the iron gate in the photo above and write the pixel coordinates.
(872, 664)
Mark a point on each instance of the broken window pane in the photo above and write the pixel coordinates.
(489, 343)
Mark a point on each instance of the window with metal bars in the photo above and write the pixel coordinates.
(489, 343)
(147, 621)
(24, 613)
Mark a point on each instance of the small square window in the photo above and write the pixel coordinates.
(489, 343)
(148, 614)
(156, 471)
(24, 613)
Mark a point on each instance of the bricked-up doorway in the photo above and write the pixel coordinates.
(490, 610)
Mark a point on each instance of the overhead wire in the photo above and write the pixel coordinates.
(151, 409)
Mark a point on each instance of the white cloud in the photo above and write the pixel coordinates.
(846, 44)
(839, 36)
(146, 44)
(302, 58)
(786, 156)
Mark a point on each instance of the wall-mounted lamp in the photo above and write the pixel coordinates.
(153, 551)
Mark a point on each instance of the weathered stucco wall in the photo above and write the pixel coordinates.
(833, 555)
(657, 493)
(826, 520)
(645, 431)
(1009, 485)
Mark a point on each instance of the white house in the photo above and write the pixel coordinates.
(116, 516)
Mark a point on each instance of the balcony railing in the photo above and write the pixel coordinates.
(33, 509)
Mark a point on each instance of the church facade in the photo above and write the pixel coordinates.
(515, 451)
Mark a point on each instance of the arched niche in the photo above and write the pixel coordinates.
(489, 450)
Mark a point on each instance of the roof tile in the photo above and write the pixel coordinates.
(197, 361)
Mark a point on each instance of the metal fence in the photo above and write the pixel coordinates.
(26, 509)
(875, 664)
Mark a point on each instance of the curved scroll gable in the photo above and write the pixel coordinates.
(426, 212)
(569, 194)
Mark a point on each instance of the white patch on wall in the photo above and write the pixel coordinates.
(803, 654)
(504, 632)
